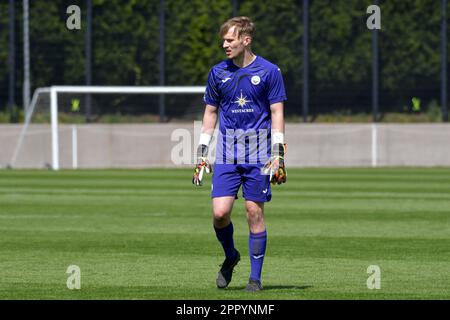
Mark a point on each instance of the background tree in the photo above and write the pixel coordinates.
(126, 49)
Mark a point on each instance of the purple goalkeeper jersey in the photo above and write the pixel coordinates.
(243, 96)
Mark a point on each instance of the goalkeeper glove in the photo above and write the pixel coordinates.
(274, 167)
(202, 165)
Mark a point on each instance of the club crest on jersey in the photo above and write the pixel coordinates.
(256, 80)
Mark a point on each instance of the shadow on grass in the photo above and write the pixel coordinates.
(267, 288)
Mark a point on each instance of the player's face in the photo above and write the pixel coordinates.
(234, 45)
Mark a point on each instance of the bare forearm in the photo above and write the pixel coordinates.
(277, 113)
(209, 120)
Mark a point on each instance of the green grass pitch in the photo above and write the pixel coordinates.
(147, 234)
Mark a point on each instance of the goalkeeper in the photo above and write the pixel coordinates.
(249, 92)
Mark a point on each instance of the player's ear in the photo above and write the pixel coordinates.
(247, 40)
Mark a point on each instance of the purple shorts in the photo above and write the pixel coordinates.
(227, 179)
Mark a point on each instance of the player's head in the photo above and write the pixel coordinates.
(237, 34)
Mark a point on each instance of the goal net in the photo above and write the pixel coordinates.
(61, 117)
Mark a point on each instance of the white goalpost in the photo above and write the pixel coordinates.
(53, 101)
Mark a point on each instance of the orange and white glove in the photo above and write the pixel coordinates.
(274, 167)
(202, 166)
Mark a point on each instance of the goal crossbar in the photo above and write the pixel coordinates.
(130, 89)
(54, 90)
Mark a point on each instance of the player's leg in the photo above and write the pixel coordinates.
(223, 226)
(255, 216)
(256, 242)
(256, 191)
(225, 185)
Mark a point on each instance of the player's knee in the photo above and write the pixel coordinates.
(221, 214)
(253, 209)
(254, 213)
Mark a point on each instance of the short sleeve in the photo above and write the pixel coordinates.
(276, 91)
(211, 96)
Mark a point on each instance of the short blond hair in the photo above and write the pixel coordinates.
(244, 26)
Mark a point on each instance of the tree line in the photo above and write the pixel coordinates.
(126, 47)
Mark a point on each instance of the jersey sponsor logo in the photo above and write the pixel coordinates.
(256, 80)
(226, 79)
(242, 102)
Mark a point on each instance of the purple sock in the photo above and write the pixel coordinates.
(257, 249)
(225, 237)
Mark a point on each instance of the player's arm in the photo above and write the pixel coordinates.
(277, 114)
(203, 165)
(275, 166)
